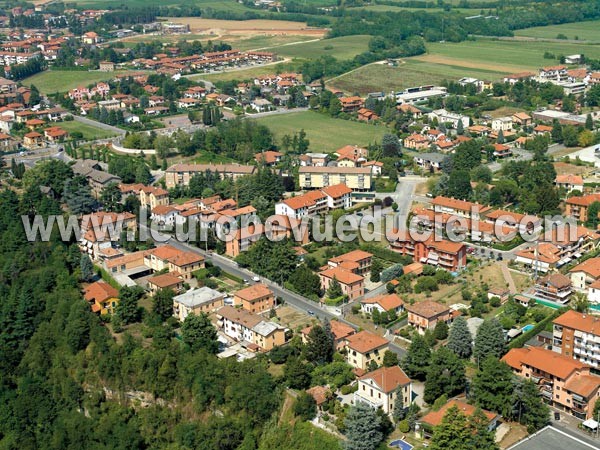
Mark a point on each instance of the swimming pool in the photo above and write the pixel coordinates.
(399, 443)
(526, 328)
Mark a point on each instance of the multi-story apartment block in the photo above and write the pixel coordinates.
(242, 325)
(577, 336)
(442, 253)
(356, 178)
(181, 174)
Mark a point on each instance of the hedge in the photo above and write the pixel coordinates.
(539, 327)
(231, 277)
(400, 318)
(385, 253)
(107, 277)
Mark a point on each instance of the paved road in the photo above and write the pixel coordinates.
(524, 155)
(297, 301)
(97, 124)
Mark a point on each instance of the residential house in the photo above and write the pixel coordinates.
(564, 383)
(352, 285)
(55, 134)
(577, 335)
(542, 130)
(366, 115)
(257, 298)
(577, 207)
(102, 297)
(339, 196)
(426, 314)
(173, 259)
(351, 104)
(553, 73)
(268, 157)
(106, 66)
(321, 394)
(380, 388)
(376, 167)
(197, 301)
(522, 118)
(352, 153)
(165, 281)
(249, 328)
(433, 419)
(359, 179)
(450, 118)
(339, 330)
(502, 124)
(356, 261)
(445, 254)
(569, 182)
(457, 207)
(33, 139)
(261, 105)
(7, 143)
(382, 303)
(305, 205)
(314, 159)
(363, 348)
(416, 142)
(429, 162)
(555, 287)
(501, 151)
(164, 215)
(407, 108)
(585, 274)
(151, 197)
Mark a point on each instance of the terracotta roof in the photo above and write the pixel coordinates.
(354, 256)
(546, 252)
(569, 179)
(165, 280)
(100, 291)
(337, 190)
(428, 309)
(459, 205)
(387, 302)
(163, 209)
(341, 275)
(125, 259)
(415, 268)
(434, 418)
(330, 170)
(254, 292)
(579, 321)
(269, 156)
(544, 360)
(176, 256)
(584, 200)
(240, 316)
(365, 341)
(583, 384)
(558, 280)
(522, 116)
(543, 129)
(338, 329)
(387, 378)
(589, 266)
(319, 393)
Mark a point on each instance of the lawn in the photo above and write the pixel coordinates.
(587, 31)
(51, 81)
(345, 47)
(243, 74)
(412, 72)
(324, 133)
(90, 132)
(503, 55)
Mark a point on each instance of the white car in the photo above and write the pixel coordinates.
(255, 278)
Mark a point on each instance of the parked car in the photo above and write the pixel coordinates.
(255, 278)
(310, 312)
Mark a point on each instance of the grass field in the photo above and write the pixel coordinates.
(346, 47)
(221, 5)
(379, 77)
(503, 55)
(52, 81)
(588, 31)
(270, 42)
(89, 132)
(324, 133)
(245, 74)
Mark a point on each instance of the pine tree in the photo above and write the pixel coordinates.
(452, 433)
(492, 386)
(362, 428)
(480, 437)
(459, 338)
(440, 332)
(399, 408)
(376, 268)
(489, 340)
(297, 373)
(335, 290)
(445, 375)
(320, 345)
(416, 361)
(589, 122)
(460, 130)
(86, 267)
(528, 407)
(390, 359)
(128, 309)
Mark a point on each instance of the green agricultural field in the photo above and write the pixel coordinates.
(221, 5)
(380, 77)
(265, 42)
(52, 81)
(503, 55)
(245, 74)
(585, 31)
(90, 132)
(324, 133)
(346, 47)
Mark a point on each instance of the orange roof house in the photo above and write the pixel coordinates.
(426, 314)
(339, 330)
(363, 348)
(352, 285)
(434, 418)
(382, 303)
(102, 297)
(380, 388)
(256, 298)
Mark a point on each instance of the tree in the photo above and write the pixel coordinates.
(400, 410)
(580, 302)
(445, 375)
(459, 184)
(489, 340)
(452, 433)
(306, 281)
(480, 436)
(390, 359)
(528, 407)
(320, 345)
(335, 290)
(417, 358)
(162, 303)
(362, 428)
(34, 96)
(459, 338)
(376, 268)
(110, 196)
(492, 386)
(460, 128)
(500, 137)
(128, 309)
(440, 332)
(305, 407)
(593, 216)
(199, 333)
(86, 267)
(390, 145)
(589, 122)
(391, 272)
(297, 373)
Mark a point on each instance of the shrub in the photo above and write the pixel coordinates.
(403, 426)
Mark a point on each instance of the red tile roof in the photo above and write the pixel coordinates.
(100, 291)
(544, 360)
(365, 341)
(387, 378)
(434, 418)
